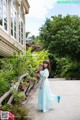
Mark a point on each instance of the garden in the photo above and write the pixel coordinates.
(17, 77)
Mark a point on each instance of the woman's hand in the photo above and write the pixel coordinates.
(37, 75)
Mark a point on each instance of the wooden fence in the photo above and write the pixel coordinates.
(17, 84)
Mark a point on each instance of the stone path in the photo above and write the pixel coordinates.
(67, 109)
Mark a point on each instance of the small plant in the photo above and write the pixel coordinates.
(18, 96)
(34, 80)
(24, 85)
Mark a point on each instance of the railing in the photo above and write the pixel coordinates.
(17, 84)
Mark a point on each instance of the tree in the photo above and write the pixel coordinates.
(61, 35)
(30, 38)
(27, 36)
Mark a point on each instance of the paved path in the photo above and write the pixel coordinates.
(67, 109)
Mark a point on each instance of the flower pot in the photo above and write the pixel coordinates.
(23, 86)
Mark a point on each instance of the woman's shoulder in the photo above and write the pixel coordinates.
(46, 70)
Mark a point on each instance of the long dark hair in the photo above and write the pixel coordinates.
(48, 65)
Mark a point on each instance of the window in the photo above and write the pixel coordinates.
(21, 27)
(4, 13)
(1, 13)
(21, 31)
(13, 19)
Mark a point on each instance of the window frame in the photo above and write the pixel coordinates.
(21, 27)
(4, 13)
(13, 15)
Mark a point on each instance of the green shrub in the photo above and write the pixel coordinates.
(68, 68)
(72, 71)
(13, 67)
(3, 86)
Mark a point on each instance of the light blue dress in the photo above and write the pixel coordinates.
(46, 99)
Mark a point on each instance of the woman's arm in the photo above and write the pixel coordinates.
(42, 83)
(45, 75)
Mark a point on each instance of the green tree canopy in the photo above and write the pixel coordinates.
(61, 36)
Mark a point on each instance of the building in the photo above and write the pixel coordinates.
(12, 26)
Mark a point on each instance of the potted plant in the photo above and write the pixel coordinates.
(23, 85)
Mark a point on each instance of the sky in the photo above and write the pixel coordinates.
(42, 9)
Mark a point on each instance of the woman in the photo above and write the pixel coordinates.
(46, 99)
